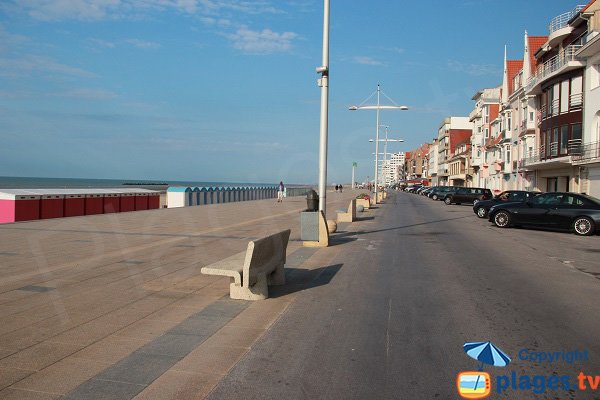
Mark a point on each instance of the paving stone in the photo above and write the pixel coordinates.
(172, 344)
(180, 385)
(139, 368)
(19, 394)
(97, 389)
(39, 356)
(8, 376)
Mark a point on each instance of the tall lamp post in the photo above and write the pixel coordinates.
(354, 165)
(323, 82)
(377, 107)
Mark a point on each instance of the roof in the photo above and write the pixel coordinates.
(513, 67)
(10, 194)
(535, 43)
(588, 5)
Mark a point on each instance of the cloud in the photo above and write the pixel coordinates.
(48, 10)
(141, 44)
(92, 94)
(8, 40)
(473, 69)
(366, 60)
(90, 10)
(102, 43)
(262, 42)
(26, 66)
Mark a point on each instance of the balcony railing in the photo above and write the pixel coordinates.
(585, 152)
(574, 149)
(576, 101)
(553, 64)
(562, 20)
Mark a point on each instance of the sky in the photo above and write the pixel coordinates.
(226, 90)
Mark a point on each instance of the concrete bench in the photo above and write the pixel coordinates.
(251, 271)
(363, 202)
(350, 215)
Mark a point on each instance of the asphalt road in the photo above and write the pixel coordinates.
(417, 282)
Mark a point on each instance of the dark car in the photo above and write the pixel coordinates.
(482, 208)
(426, 191)
(441, 191)
(558, 210)
(468, 195)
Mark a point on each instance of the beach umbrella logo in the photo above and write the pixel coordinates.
(477, 384)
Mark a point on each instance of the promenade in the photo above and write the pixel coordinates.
(114, 306)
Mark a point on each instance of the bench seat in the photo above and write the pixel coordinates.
(251, 271)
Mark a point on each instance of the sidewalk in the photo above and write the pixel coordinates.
(114, 306)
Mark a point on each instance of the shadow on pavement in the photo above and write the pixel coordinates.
(298, 279)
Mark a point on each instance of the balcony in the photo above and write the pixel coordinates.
(575, 104)
(559, 26)
(475, 114)
(552, 157)
(585, 153)
(562, 62)
(561, 21)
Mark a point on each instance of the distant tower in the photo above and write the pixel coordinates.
(504, 98)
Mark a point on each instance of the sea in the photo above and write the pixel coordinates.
(13, 182)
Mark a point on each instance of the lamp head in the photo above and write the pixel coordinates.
(353, 108)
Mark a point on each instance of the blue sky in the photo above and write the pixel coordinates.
(211, 90)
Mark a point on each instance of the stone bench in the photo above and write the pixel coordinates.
(251, 271)
(363, 202)
(348, 216)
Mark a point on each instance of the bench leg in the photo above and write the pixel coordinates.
(259, 291)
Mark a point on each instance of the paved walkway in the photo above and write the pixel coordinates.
(114, 306)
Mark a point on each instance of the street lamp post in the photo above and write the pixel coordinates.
(378, 107)
(324, 84)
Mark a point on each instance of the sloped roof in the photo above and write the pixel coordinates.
(513, 67)
(535, 43)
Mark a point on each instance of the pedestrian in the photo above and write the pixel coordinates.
(280, 190)
(336, 188)
(340, 188)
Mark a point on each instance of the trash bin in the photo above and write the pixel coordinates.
(312, 201)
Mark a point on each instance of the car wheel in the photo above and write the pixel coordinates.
(583, 226)
(502, 219)
(475, 201)
(434, 197)
(481, 212)
(448, 200)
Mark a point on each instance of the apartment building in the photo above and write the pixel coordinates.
(416, 163)
(452, 131)
(432, 163)
(460, 172)
(587, 157)
(487, 104)
(557, 86)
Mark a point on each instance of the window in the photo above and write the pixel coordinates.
(550, 102)
(507, 154)
(530, 116)
(564, 96)
(564, 138)
(576, 132)
(487, 133)
(508, 121)
(576, 97)
(573, 201)
(548, 199)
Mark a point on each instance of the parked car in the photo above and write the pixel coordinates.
(558, 210)
(442, 191)
(421, 189)
(482, 208)
(411, 189)
(426, 191)
(468, 195)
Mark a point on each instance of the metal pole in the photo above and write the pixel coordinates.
(377, 149)
(324, 83)
(385, 152)
(353, 168)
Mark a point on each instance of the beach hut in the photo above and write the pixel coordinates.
(127, 201)
(196, 197)
(141, 201)
(18, 205)
(52, 205)
(94, 203)
(74, 205)
(178, 196)
(112, 203)
(153, 200)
